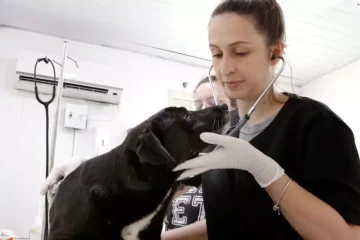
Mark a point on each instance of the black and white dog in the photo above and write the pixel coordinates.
(123, 194)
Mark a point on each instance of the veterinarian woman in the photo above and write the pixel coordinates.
(294, 153)
(301, 158)
(188, 207)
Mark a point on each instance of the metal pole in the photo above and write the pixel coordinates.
(57, 122)
(212, 86)
(58, 107)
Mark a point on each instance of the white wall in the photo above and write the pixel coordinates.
(22, 118)
(340, 90)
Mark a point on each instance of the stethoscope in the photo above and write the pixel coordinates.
(246, 117)
(236, 128)
(46, 106)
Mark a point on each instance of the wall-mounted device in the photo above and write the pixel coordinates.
(102, 140)
(76, 116)
(89, 81)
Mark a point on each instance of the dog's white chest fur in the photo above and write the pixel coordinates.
(131, 231)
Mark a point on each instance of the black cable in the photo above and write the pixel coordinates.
(46, 105)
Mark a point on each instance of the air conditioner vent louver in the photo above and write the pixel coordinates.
(38, 80)
(86, 88)
(66, 85)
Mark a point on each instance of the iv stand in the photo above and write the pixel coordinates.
(56, 126)
(58, 106)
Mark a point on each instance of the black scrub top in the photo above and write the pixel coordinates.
(316, 149)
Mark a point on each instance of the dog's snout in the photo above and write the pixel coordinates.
(224, 106)
(221, 108)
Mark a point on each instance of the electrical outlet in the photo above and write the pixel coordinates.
(76, 116)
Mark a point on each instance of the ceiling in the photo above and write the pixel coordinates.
(318, 40)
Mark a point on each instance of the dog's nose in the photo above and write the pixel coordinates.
(224, 106)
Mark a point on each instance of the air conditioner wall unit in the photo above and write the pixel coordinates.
(91, 81)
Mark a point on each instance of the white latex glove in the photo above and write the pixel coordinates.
(61, 172)
(233, 153)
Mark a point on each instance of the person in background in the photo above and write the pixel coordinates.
(203, 95)
(187, 206)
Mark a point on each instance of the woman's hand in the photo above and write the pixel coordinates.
(234, 153)
(60, 172)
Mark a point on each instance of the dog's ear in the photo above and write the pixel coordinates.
(151, 151)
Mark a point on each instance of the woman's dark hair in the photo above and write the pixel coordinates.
(266, 14)
(267, 17)
(233, 102)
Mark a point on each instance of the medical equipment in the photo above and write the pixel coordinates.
(212, 86)
(46, 106)
(243, 120)
(50, 161)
